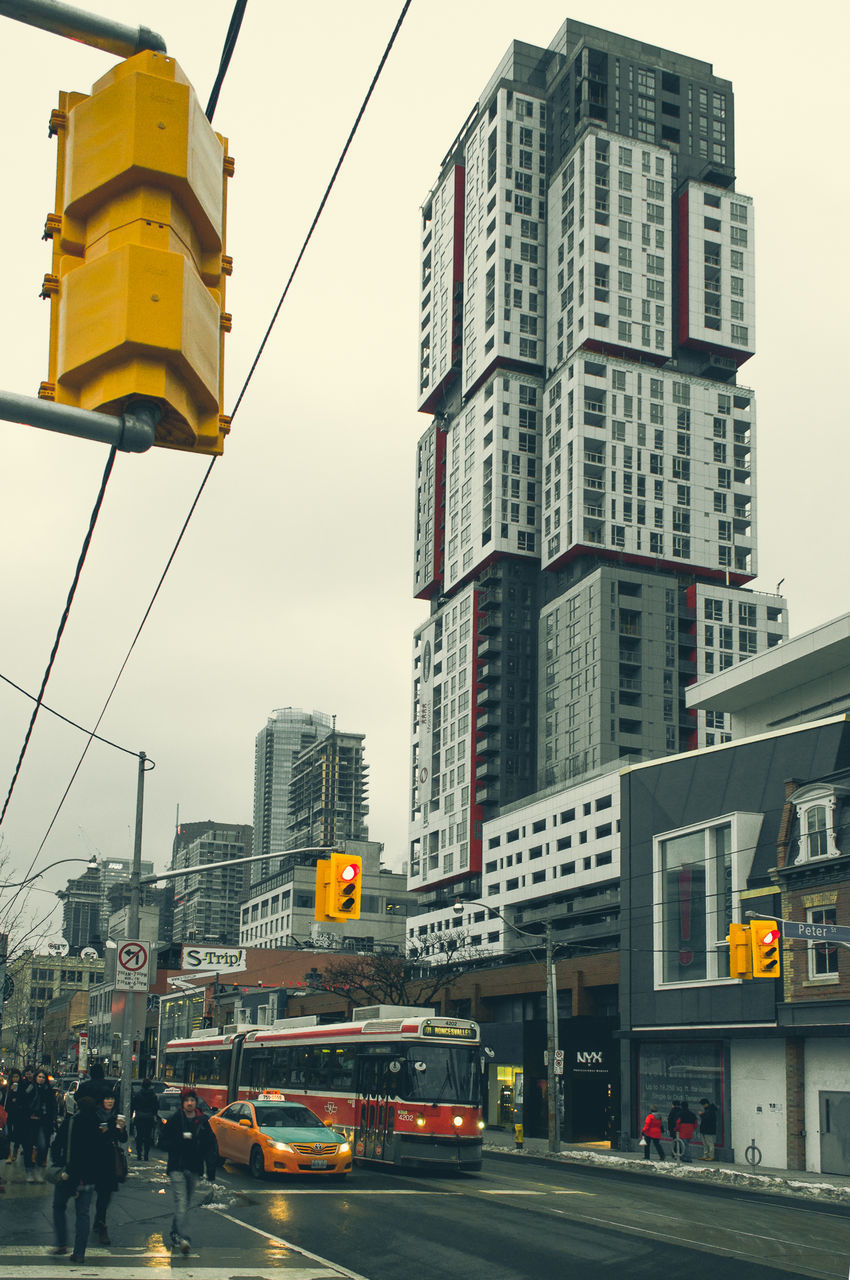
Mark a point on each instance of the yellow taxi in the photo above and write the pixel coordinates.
(271, 1135)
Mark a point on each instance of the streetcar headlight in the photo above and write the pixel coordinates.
(420, 1122)
(480, 1124)
(457, 1121)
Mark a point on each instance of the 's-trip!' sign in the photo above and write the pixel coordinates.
(213, 959)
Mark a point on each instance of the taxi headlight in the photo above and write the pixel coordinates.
(278, 1146)
(345, 1148)
(457, 1121)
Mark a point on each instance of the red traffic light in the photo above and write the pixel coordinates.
(349, 872)
(767, 939)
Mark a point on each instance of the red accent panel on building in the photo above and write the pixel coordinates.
(684, 263)
(459, 224)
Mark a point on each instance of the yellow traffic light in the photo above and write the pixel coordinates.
(765, 938)
(137, 286)
(740, 951)
(343, 901)
(323, 880)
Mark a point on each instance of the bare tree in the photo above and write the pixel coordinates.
(413, 979)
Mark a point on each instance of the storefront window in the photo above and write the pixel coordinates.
(681, 1072)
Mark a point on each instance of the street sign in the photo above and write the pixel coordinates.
(816, 932)
(131, 966)
(559, 1062)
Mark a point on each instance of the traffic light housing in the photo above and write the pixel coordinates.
(765, 939)
(137, 285)
(338, 887)
(740, 951)
(323, 875)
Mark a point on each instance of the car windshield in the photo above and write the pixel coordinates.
(270, 1117)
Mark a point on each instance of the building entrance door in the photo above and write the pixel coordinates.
(834, 1132)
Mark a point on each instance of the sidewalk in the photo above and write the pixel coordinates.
(826, 1187)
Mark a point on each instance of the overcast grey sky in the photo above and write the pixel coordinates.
(293, 585)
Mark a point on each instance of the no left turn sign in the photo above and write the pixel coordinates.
(131, 969)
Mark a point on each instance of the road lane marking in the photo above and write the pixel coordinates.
(335, 1268)
(95, 1271)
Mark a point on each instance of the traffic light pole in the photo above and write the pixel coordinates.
(131, 432)
(85, 28)
(133, 911)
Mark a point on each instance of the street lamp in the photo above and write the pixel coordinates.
(91, 864)
(551, 1012)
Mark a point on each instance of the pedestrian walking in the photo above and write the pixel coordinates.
(708, 1127)
(192, 1153)
(37, 1116)
(685, 1129)
(112, 1136)
(11, 1097)
(651, 1132)
(145, 1111)
(87, 1157)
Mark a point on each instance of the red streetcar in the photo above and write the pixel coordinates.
(406, 1090)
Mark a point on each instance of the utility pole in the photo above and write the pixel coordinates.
(131, 997)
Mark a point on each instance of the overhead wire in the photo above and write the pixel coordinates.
(107, 472)
(227, 53)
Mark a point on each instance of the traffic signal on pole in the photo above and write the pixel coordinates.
(137, 285)
(765, 938)
(323, 879)
(740, 951)
(345, 887)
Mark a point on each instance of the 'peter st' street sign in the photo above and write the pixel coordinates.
(816, 932)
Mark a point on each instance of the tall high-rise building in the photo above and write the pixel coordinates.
(206, 904)
(86, 905)
(287, 732)
(328, 792)
(586, 484)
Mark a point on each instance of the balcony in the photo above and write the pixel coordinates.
(490, 722)
(489, 768)
(489, 695)
(490, 671)
(489, 647)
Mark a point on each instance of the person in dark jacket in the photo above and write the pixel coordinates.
(685, 1129)
(673, 1118)
(10, 1098)
(37, 1120)
(651, 1131)
(192, 1153)
(112, 1134)
(88, 1158)
(708, 1127)
(145, 1111)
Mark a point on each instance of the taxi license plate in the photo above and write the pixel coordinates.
(318, 1164)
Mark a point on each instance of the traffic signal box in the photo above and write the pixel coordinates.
(137, 286)
(338, 887)
(765, 937)
(740, 951)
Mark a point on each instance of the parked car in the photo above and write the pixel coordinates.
(61, 1085)
(169, 1101)
(276, 1136)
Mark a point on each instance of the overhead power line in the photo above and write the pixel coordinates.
(107, 472)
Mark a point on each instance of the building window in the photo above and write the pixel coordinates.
(816, 817)
(699, 873)
(823, 956)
